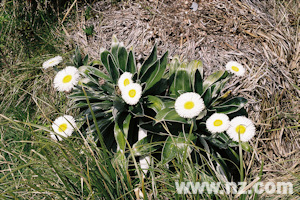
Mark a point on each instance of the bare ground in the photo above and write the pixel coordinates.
(262, 35)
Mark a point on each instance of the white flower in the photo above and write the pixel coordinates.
(189, 105)
(235, 68)
(145, 163)
(52, 62)
(63, 126)
(132, 93)
(183, 146)
(217, 123)
(241, 125)
(124, 80)
(66, 79)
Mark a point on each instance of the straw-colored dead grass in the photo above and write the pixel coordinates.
(263, 36)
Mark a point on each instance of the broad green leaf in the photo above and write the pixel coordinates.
(236, 101)
(174, 65)
(98, 73)
(149, 61)
(211, 79)
(114, 49)
(198, 83)
(201, 114)
(104, 59)
(218, 86)
(119, 137)
(195, 65)
(118, 107)
(104, 105)
(131, 66)
(85, 60)
(169, 150)
(155, 72)
(114, 73)
(148, 144)
(126, 124)
(137, 110)
(157, 89)
(155, 103)
(181, 82)
(122, 57)
(246, 146)
(108, 88)
(169, 114)
(207, 97)
(232, 105)
(77, 60)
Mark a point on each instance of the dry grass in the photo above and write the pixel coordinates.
(263, 36)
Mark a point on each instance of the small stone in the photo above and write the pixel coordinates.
(194, 6)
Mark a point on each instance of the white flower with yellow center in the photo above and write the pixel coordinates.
(63, 126)
(52, 62)
(235, 68)
(241, 126)
(189, 105)
(132, 93)
(217, 123)
(66, 79)
(124, 80)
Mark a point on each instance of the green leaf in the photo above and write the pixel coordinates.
(148, 144)
(131, 66)
(103, 56)
(201, 114)
(119, 107)
(114, 73)
(232, 105)
(181, 82)
(169, 114)
(122, 57)
(137, 110)
(218, 86)
(104, 105)
(237, 101)
(212, 79)
(155, 72)
(77, 60)
(98, 73)
(114, 49)
(149, 61)
(207, 97)
(155, 103)
(198, 84)
(169, 150)
(193, 66)
(126, 124)
(174, 65)
(85, 60)
(108, 88)
(119, 137)
(246, 146)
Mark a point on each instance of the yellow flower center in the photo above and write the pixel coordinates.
(234, 68)
(62, 127)
(52, 61)
(132, 93)
(126, 82)
(189, 105)
(218, 122)
(241, 129)
(67, 79)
